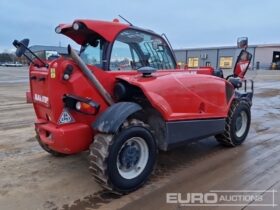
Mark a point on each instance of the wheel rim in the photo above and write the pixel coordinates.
(132, 157)
(241, 124)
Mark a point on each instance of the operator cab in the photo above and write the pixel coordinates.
(135, 49)
(131, 50)
(114, 46)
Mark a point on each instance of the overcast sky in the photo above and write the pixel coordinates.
(187, 23)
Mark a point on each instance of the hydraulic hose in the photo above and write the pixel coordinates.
(88, 73)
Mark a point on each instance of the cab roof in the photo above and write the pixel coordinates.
(106, 29)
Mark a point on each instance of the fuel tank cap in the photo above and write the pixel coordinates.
(146, 71)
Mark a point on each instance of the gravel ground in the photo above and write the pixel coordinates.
(32, 179)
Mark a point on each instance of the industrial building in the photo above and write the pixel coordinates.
(48, 52)
(264, 56)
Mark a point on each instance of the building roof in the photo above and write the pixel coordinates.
(230, 47)
(60, 50)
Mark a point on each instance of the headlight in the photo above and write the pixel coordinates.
(66, 76)
(76, 26)
(78, 105)
(58, 30)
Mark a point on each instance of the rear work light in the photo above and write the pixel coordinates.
(76, 26)
(83, 105)
(58, 30)
(86, 108)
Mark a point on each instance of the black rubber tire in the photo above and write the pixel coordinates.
(103, 158)
(47, 149)
(229, 137)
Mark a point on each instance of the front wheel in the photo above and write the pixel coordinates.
(123, 162)
(237, 124)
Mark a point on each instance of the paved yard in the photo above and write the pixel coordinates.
(32, 179)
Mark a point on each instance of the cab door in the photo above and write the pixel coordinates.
(124, 57)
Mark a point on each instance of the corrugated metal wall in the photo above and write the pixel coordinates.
(263, 55)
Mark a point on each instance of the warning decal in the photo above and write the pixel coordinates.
(52, 73)
(65, 117)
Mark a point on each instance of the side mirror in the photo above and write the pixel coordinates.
(242, 42)
(242, 64)
(21, 46)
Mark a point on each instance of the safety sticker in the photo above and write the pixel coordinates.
(65, 117)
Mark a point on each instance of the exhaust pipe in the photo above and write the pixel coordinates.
(88, 73)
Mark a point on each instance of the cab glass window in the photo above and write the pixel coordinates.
(135, 49)
(92, 52)
(123, 57)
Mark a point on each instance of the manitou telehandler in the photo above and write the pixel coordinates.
(123, 98)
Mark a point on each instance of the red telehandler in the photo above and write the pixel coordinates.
(123, 98)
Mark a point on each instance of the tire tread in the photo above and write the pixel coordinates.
(99, 152)
(226, 137)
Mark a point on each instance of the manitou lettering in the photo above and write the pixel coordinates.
(42, 99)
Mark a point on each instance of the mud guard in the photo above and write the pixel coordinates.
(110, 120)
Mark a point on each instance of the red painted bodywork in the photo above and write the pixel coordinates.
(183, 95)
(177, 94)
(201, 70)
(108, 30)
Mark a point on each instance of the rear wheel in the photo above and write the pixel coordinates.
(237, 124)
(123, 162)
(47, 149)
